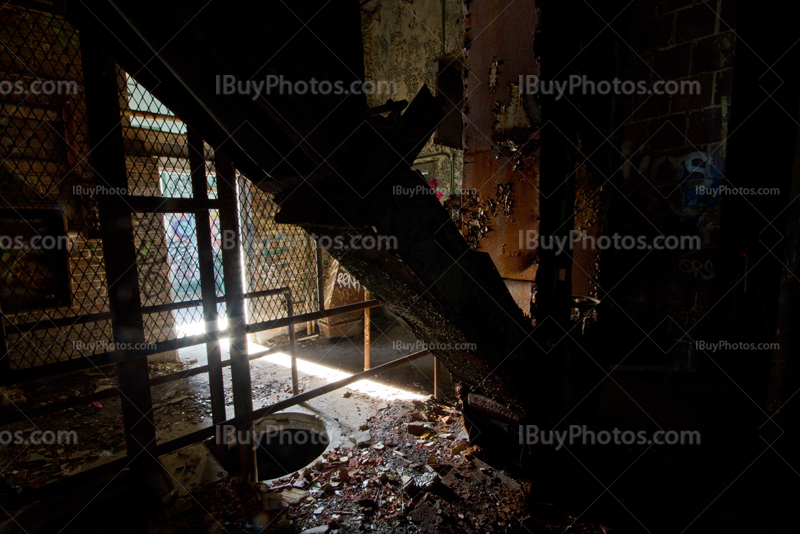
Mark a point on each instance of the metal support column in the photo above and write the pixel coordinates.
(208, 284)
(292, 343)
(437, 377)
(320, 278)
(366, 334)
(116, 226)
(234, 302)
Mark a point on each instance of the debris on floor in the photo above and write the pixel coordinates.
(398, 481)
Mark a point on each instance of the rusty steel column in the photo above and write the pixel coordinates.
(208, 286)
(292, 343)
(116, 226)
(366, 333)
(437, 376)
(320, 277)
(237, 319)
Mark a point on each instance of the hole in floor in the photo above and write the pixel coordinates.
(281, 452)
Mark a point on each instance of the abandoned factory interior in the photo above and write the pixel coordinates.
(399, 266)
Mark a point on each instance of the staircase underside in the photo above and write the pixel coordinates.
(333, 167)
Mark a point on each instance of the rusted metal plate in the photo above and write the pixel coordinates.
(504, 204)
(499, 49)
(501, 164)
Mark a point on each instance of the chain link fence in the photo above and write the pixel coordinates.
(51, 262)
(55, 298)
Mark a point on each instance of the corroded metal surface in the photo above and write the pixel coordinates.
(501, 134)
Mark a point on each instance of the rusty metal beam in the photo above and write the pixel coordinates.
(108, 162)
(234, 305)
(208, 285)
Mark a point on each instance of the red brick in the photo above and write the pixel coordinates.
(705, 126)
(714, 53)
(665, 6)
(648, 106)
(687, 102)
(667, 132)
(673, 63)
(727, 15)
(695, 22)
(656, 33)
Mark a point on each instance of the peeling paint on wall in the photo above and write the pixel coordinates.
(512, 115)
(401, 40)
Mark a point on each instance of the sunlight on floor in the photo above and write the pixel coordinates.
(367, 387)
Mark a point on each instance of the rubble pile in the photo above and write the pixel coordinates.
(410, 467)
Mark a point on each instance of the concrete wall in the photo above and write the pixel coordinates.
(401, 40)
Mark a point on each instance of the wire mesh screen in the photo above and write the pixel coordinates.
(275, 256)
(166, 244)
(51, 260)
(53, 286)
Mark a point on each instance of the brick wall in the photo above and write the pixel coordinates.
(44, 148)
(672, 144)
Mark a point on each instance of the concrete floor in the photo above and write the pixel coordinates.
(183, 406)
(320, 361)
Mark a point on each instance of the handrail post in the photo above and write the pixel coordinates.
(292, 343)
(366, 333)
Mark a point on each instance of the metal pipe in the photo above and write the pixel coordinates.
(366, 333)
(320, 278)
(32, 374)
(437, 375)
(33, 326)
(339, 310)
(237, 318)
(114, 392)
(142, 204)
(292, 345)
